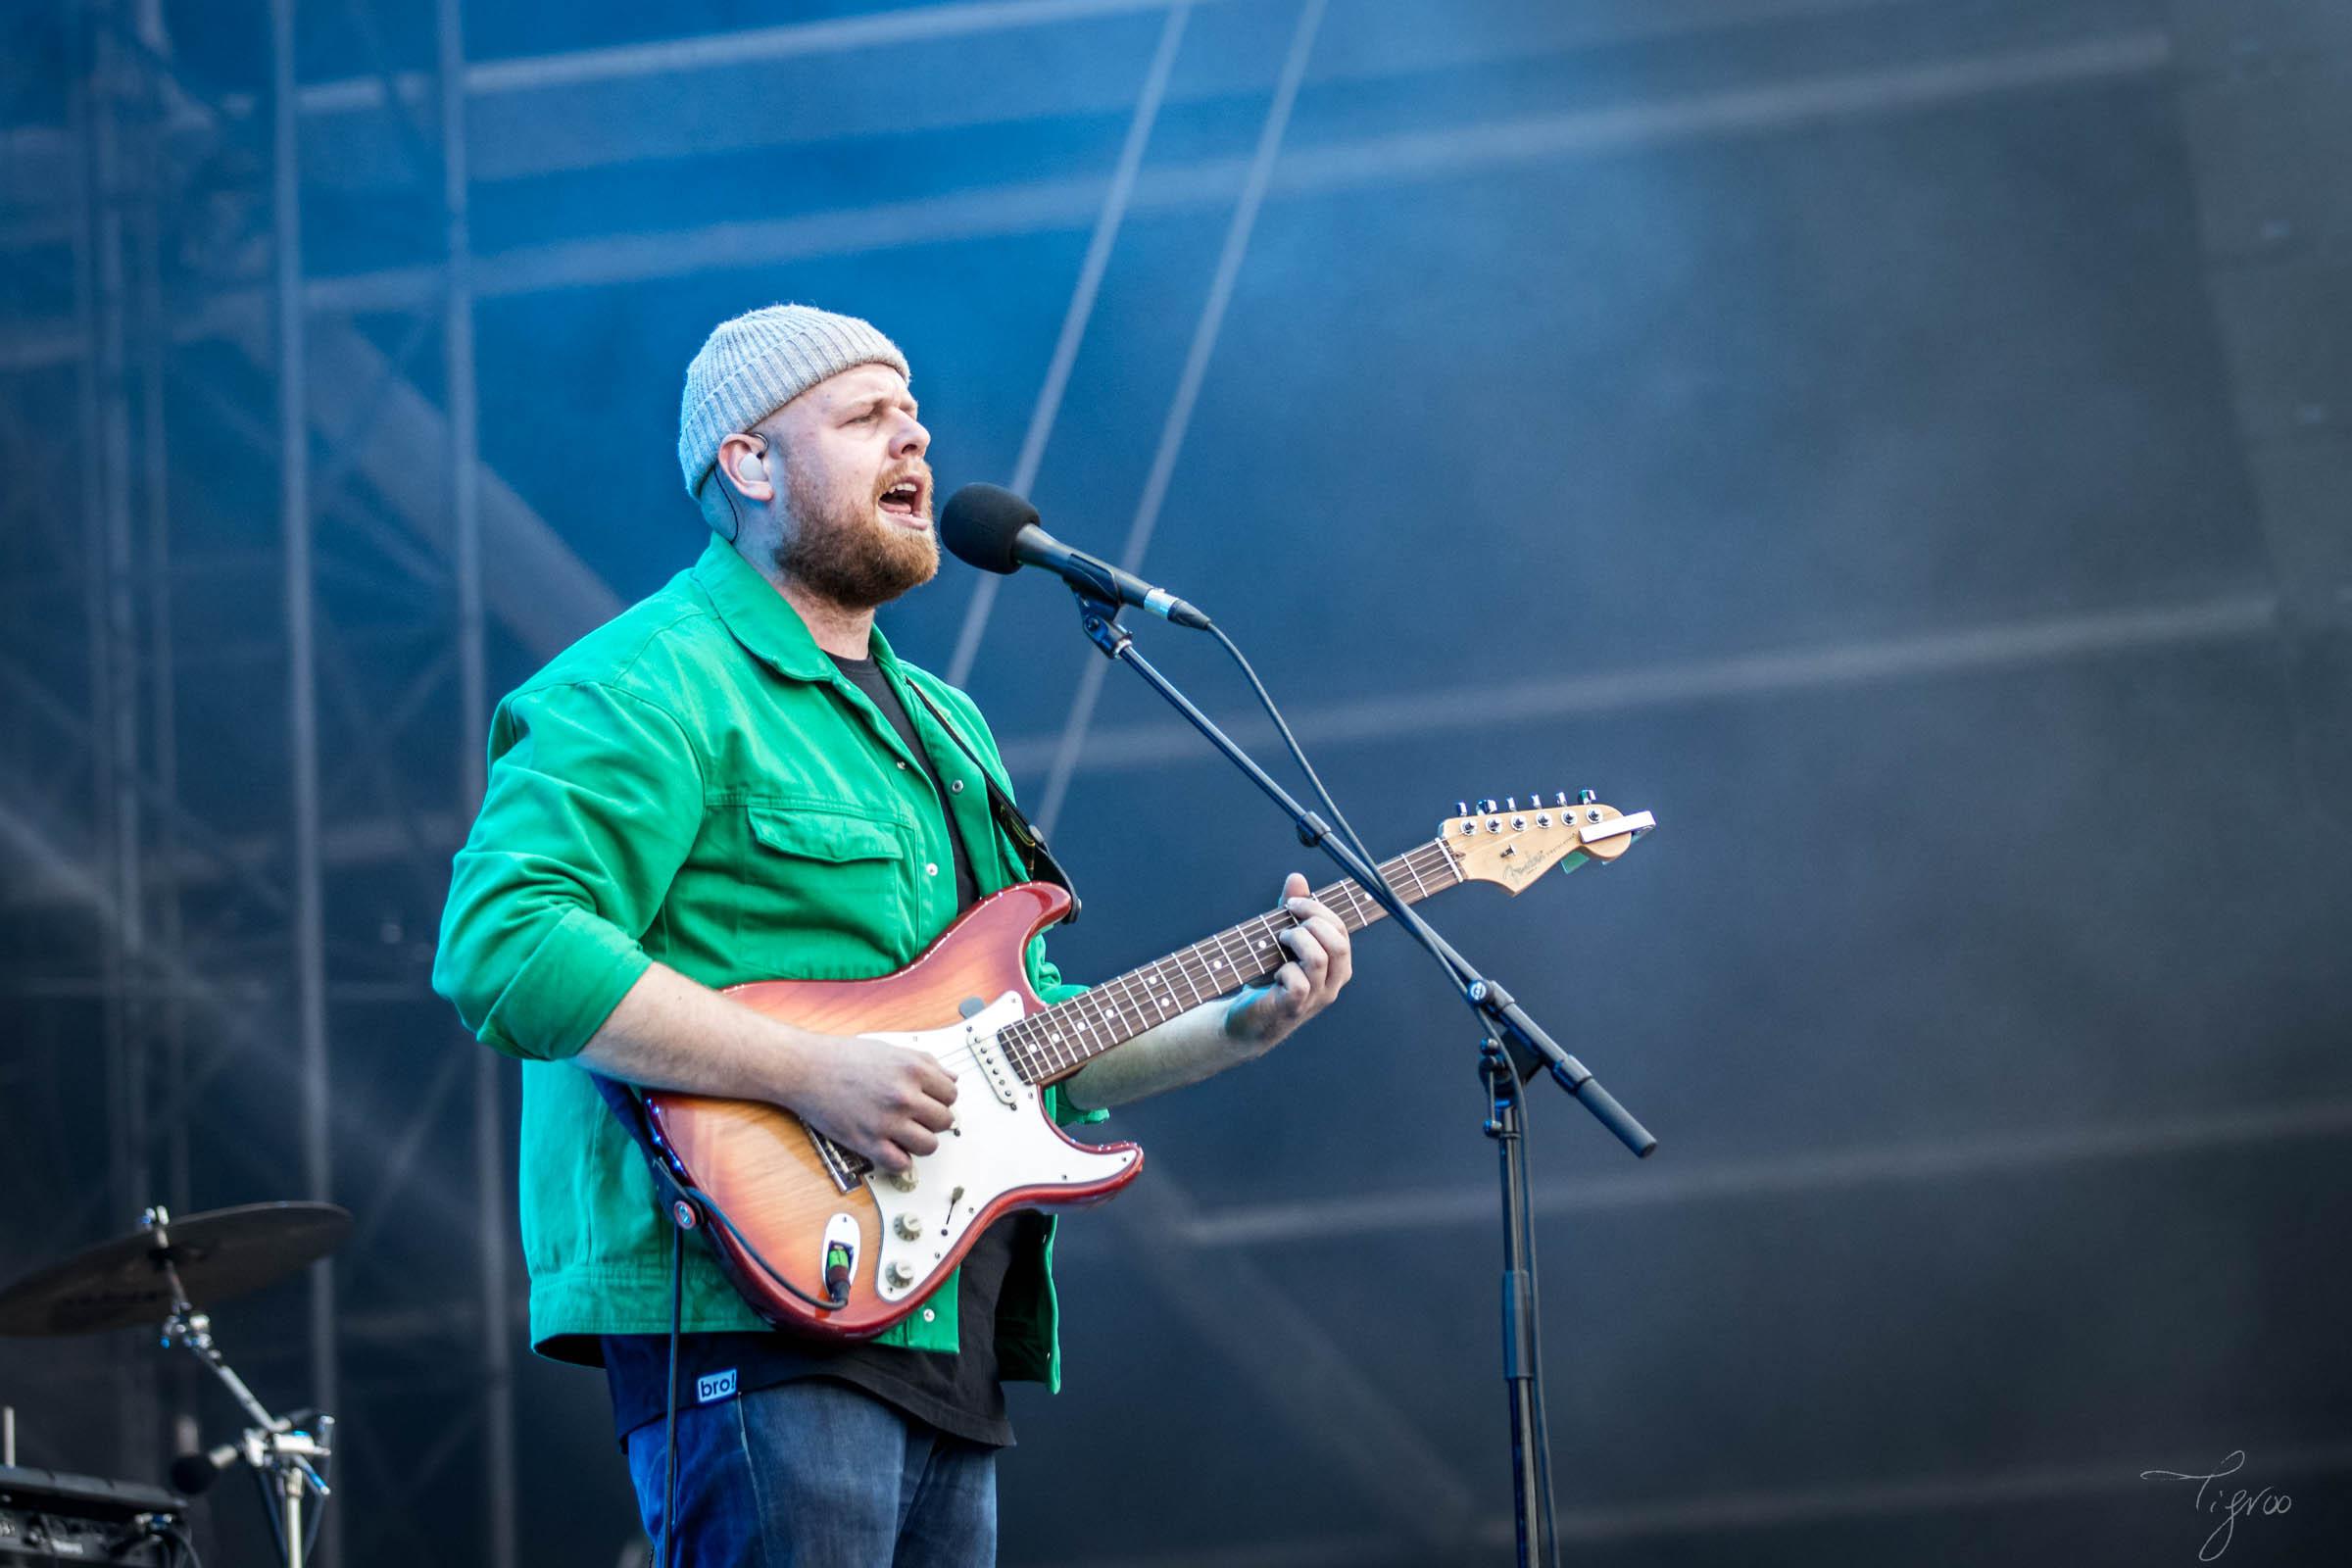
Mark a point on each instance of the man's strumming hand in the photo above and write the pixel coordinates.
(886, 1102)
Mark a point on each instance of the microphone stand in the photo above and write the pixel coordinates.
(1512, 1048)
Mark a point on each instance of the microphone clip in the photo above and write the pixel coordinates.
(1099, 616)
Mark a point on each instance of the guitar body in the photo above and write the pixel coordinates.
(801, 1205)
(824, 1227)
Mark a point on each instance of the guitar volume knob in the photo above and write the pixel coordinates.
(903, 1180)
(897, 1276)
(908, 1227)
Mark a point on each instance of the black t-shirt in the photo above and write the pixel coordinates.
(957, 1394)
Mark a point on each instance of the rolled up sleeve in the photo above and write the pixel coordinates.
(593, 798)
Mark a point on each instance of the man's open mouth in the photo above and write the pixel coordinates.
(904, 499)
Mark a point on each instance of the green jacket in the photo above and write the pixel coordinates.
(695, 782)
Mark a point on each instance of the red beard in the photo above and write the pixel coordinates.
(847, 555)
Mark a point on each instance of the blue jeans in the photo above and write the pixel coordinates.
(815, 1474)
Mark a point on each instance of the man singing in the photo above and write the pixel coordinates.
(738, 779)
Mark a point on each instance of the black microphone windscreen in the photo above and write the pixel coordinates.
(979, 524)
(192, 1473)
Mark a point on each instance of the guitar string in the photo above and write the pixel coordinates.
(1349, 901)
(1130, 993)
(1133, 989)
(1359, 906)
(1026, 1058)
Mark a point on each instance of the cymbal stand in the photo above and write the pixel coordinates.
(272, 1445)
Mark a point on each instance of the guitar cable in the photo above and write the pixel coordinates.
(699, 1203)
(628, 1108)
(685, 1206)
(833, 1302)
(669, 1427)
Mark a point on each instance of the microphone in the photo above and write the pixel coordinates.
(986, 526)
(192, 1473)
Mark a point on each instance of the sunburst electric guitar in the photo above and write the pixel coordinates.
(809, 1221)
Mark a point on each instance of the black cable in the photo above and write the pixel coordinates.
(709, 1205)
(310, 1534)
(1540, 1437)
(183, 1546)
(1283, 728)
(1339, 818)
(629, 1107)
(669, 1439)
(277, 1532)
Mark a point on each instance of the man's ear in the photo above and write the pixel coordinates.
(743, 462)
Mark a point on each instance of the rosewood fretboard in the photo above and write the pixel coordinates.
(1054, 1043)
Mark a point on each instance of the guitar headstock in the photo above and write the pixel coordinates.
(1513, 844)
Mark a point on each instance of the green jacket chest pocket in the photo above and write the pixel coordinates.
(824, 894)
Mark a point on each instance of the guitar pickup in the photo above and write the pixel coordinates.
(993, 1067)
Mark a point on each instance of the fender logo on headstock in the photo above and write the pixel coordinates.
(1505, 845)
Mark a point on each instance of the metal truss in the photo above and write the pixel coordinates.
(1073, 203)
(216, 973)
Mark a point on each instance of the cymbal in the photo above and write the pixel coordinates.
(220, 1254)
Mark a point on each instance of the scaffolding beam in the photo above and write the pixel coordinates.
(309, 944)
(491, 1200)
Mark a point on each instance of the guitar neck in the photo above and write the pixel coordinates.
(1048, 1046)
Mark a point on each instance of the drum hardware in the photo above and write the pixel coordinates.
(160, 1270)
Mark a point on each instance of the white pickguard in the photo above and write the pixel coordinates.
(1000, 1141)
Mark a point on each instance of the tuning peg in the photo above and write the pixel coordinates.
(1461, 807)
(1585, 797)
(1510, 803)
(1486, 805)
(1559, 797)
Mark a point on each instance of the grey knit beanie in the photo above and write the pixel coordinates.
(750, 367)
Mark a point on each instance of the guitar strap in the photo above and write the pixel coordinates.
(627, 1105)
(1037, 857)
(627, 1102)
